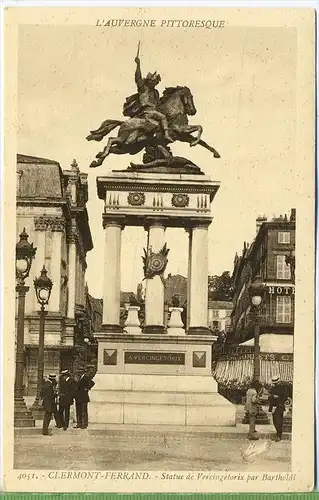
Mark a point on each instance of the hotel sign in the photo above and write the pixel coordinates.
(281, 290)
(154, 358)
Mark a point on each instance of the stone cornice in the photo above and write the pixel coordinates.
(156, 183)
(156, 339)
(32, 202)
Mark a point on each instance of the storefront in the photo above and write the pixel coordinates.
(233, 365)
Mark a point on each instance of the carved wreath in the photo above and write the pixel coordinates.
(136, 199)
(180, 200)
(155, 263)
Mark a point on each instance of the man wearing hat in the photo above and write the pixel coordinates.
(49, 396)
(84, 385)
(277, 399)
(66, 396)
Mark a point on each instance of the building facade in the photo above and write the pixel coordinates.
(51, 206)
(271, 258)
(267, 258)
(219, 315)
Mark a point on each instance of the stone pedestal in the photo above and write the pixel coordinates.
(132, 323)
(158, 376)
(175, 325)
(148, 379)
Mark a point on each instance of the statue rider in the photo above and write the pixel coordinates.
(149, 97)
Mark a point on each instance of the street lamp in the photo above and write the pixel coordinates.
(257, 293)
(43, 286)
(25, 253)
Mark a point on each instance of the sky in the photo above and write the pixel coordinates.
(243, 79)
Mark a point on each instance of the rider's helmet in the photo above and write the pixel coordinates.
(153, 78)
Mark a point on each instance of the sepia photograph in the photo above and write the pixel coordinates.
(159, 185)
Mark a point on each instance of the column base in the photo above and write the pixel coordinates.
(37, 410)
(154, 329)
(111, 328)
(198, 330)
(22, 416)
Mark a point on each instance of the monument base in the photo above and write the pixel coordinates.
(158, 379)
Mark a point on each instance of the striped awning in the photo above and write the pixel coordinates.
(239, 373)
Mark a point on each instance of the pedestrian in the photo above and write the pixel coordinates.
(49, 398)
(66, 397)
(84, 385)
(277, 399)
(252, 401)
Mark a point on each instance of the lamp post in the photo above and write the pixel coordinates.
(25, 253)
(43, 287)
(257, 293)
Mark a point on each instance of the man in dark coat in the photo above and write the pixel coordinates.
(84, 385)
(49, 397)
(66, 396)
(277, 399)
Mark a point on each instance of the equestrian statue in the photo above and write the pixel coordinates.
(153, 123)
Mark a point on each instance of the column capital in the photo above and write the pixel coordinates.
(197, 224)
(113, 220)
(156, 222)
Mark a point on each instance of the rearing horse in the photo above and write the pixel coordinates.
(136, 133)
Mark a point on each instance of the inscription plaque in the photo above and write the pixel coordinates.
(154, 358)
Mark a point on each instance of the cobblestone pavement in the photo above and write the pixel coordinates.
(78, 449)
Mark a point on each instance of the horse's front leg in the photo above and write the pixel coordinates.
(106, 151)
(199, 129)
(103, 154)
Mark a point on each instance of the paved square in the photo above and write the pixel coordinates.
(90, 449)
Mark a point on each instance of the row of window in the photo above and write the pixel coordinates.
(283, 270)
(283, 311)
(284, 237)
(226, 313)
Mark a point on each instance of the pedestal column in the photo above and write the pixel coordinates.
(198, 286)
(112, 274)
(154, 295)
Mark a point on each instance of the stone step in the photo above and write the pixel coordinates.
(128, 433)
(156, 408)
(160, 383)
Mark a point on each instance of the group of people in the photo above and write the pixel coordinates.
(277, 400)
(59, 395)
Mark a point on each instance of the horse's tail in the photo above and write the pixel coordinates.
(210, 148)
(106, 127)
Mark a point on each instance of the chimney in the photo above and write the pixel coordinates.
(259, 221)
(293, 215)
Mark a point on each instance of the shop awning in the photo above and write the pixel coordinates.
(237, 374)
(234, 365)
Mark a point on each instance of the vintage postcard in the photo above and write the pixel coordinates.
(158, 249)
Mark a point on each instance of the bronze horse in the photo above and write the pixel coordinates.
(138, 132)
